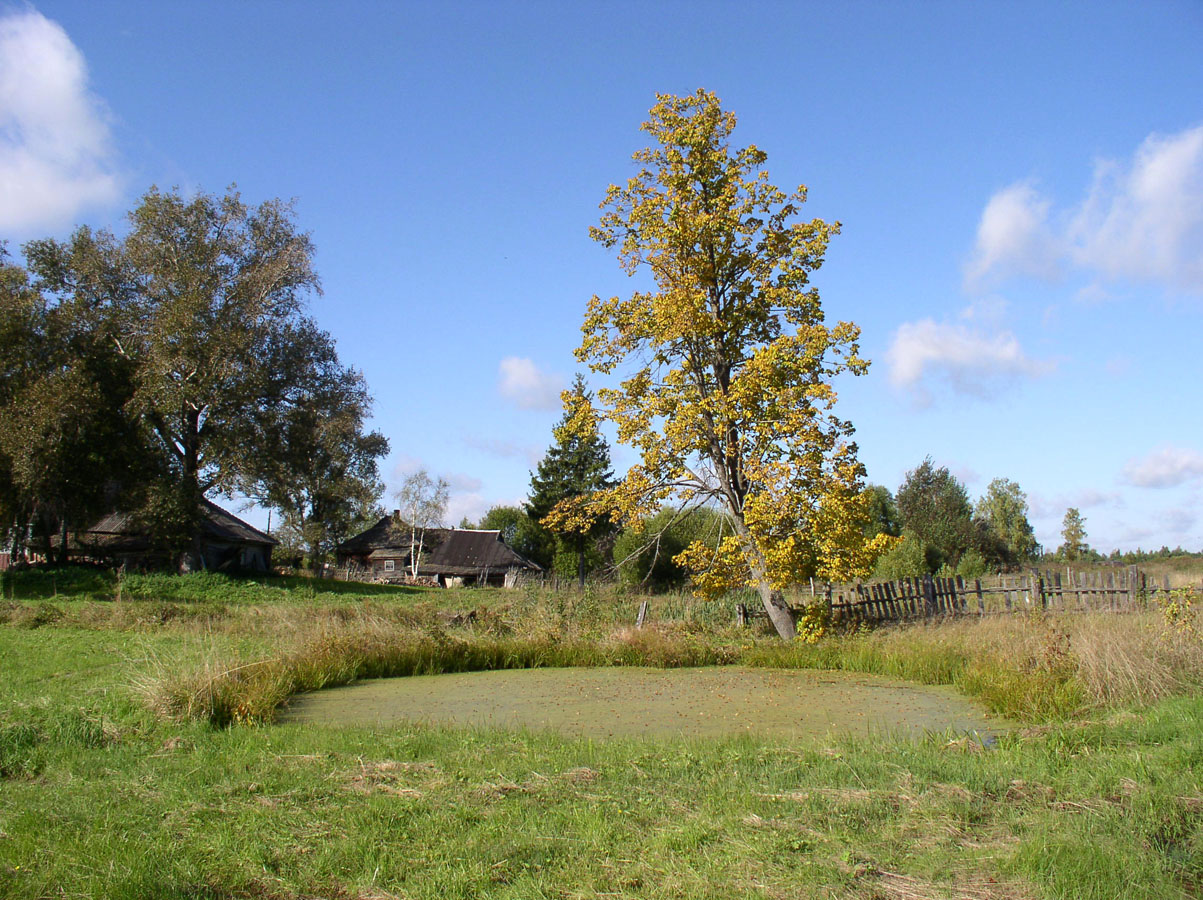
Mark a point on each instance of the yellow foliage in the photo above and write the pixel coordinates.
(730, 392)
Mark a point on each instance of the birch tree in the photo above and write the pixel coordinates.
(423, 502)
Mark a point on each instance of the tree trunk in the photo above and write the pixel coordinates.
(779, 611)
(193, 558)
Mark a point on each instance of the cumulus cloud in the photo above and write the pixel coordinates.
(1014, 236)
(1179, 520)
(406, 465)
(470, 506)
(1144, 221)
(524, 385)
(1141, 220)
(968, 359)
(1165, 467)
(56, 154)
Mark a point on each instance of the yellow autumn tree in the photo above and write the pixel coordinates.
(727, 365)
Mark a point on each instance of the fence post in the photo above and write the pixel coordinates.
(929, 595)
(1038, 590)
(642, 617)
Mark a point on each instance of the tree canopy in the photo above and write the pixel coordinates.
(1003, 511)
(935, 509)
(66, 445)
(1073, 536)
(188, 339)
(727, 363)
(315, 462)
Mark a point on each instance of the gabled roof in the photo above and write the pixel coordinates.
(471, 552)
(226, 526)
(119, 528)
(389, 533)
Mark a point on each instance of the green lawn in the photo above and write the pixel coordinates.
(100, 797)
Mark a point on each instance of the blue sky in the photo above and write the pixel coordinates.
(1020, 187)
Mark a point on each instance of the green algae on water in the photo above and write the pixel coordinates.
(634, 701)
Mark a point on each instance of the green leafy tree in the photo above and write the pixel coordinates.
(647, 555)
(727, 361)
(521, 532)
(1003, 514)
(934, 508)
(316, 463)
(882, 515)
(906, 559)
(575, 467)
(66, 442)
(1073, 536)
(203, 294)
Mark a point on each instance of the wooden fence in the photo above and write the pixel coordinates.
(915, 598)
(928, 596)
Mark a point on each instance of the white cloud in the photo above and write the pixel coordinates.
(527, 387)
(1014, 236)
(1165, 467)
(971, 361)
(503, 449)
(965, 474)
(471, 506)
(1179, 520)
(1042, 507)
(1145, 221)
(458, 481)
(406, 465)
(56, 154)
(1141, 220)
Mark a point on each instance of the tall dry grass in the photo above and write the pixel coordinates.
(1029, 667)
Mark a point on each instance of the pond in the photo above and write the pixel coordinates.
(632, 701)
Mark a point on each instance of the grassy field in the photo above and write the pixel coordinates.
(137, 758)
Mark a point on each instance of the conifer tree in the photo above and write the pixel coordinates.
(576, 466)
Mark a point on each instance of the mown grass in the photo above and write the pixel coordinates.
(103, 796)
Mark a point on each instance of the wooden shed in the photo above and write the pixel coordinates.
(470, 556)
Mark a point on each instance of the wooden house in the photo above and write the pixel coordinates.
(470, 556)
(384, 552)
(227, 542)
(449, 557)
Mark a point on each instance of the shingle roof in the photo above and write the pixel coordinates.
(470, 552)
